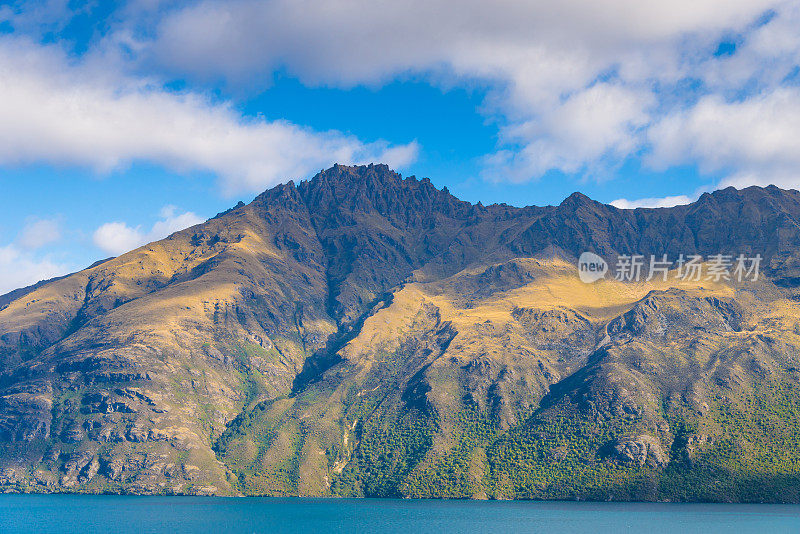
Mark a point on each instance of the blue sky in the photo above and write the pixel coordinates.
(123, 121)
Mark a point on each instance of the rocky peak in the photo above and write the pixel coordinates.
(375, 189)
(576, 200)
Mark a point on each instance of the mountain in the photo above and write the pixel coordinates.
(365, 334)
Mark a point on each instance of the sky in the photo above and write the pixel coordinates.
(121, 122)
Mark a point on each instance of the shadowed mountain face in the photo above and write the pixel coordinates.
(365, 334)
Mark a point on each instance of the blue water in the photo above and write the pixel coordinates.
(87, 514)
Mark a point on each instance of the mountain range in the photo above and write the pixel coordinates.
(366, 334)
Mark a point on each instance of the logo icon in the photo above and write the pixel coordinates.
(591, 267)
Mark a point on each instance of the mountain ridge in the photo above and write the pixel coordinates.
(365, 334)
(574, 199)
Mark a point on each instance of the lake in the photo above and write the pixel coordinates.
(127, 514)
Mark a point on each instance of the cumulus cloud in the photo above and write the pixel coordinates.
(172, 222)
(56, 110)
(754, 141)
(599, 123)
(324, 42)
(575, 84)
(663, 202)
(117, 237)
(38, 233)
(20, 268)
(765, 55)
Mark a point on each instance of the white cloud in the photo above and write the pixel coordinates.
(576, 84)
(664, 202)
(764, 58)
(22, 263)
(38, 233)
(601, 122)
(352, 42)
(55, 110)
(20, 268)
(172, 222)
(756, 141)
(117, 237)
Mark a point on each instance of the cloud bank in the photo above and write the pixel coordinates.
(577, 86)
(65, 111)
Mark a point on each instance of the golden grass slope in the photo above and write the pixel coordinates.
(498, 349)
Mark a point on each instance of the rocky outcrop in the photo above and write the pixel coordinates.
(640, 450)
